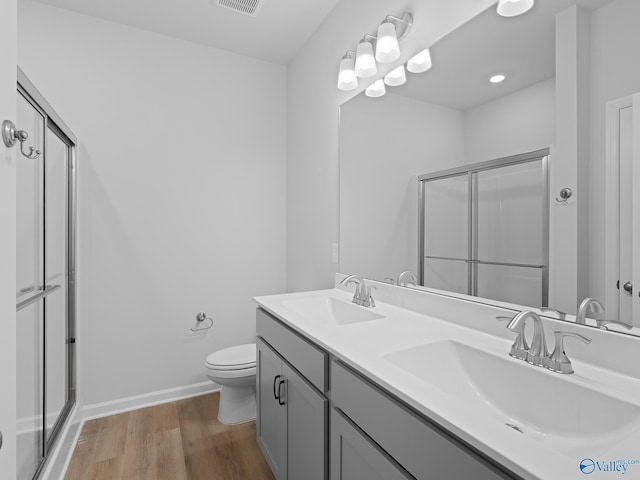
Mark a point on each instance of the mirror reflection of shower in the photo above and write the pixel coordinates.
(484, 229)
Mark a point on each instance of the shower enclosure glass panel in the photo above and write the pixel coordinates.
(45, 252)
(485, 227)
(56, 385)
(449, 275)
(519, 285)
(446, 218)
(29, 281)
(29, 395)
(509, 214)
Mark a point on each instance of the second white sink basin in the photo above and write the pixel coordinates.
(329, 309)
(529, 399)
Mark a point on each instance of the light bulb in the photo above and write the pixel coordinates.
(420, 62)
(396, 77)
(347, 79)
(511, 8)
(387, 48)
(365, 63)
(376, 89)
(497, 78)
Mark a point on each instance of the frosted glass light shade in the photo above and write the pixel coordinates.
(511, 8)
(396, 77)
(347, 79)
(365, 63)
(421, 62)
(387, 48)
(376, 89)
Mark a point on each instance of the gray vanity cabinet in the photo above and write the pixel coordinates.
(271, 424)
(292, 417)
(354, 457)
(373, 435)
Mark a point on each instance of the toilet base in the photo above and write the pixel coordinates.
(237, 405)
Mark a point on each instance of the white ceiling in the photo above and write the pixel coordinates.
(523, 48)
(276, 34)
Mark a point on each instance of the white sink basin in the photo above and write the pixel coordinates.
(329, 309)
(529, 399)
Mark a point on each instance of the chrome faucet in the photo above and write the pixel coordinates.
(588, 305)
(413, 280)
(537, 354)
(362, 295)
(591, 305)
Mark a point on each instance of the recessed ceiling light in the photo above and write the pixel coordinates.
(512, 8)
(497, 78)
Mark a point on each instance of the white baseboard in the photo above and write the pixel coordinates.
(113, 407)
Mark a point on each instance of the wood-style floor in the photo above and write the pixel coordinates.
(180, 440)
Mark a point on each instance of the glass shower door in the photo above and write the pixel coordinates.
(29, 304)
(510, 245)
(446, 234)
(44, 317)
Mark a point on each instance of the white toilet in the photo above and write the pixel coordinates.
(234, 369)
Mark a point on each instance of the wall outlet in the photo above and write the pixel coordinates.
(335, 253)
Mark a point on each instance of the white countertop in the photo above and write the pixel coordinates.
(531, 455)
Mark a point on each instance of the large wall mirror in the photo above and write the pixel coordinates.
(452, 116)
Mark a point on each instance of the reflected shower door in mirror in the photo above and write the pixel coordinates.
(484, 229)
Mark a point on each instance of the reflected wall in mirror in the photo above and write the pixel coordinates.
(452, 116)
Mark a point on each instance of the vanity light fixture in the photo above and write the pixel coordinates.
(376, 89)
(396, 77)
(362, 62)
(497, 78)
(420, 62)
(347, 79)
(512, 8)
(390, 32)
(365, 63)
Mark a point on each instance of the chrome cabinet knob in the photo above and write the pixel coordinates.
(628, 287)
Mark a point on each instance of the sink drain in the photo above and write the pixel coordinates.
(515, 427)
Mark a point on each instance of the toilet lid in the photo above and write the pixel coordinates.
(234, 358)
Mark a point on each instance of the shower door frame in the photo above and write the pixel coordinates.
(53, 122)
(472, 262)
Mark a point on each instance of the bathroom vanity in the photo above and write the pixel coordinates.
(347, 392)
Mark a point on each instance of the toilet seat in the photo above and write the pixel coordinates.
(238, 358)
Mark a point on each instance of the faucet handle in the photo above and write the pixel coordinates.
(368, 300)
(558, 313)
(520, 347)
(602, 324)
(558, 360)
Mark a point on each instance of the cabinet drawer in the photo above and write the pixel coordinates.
(422, 448)
(305, 357)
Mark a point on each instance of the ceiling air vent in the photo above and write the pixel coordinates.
(246, 7)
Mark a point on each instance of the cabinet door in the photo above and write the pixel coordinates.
(354, 457)
(271, 421)
(307, 413)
